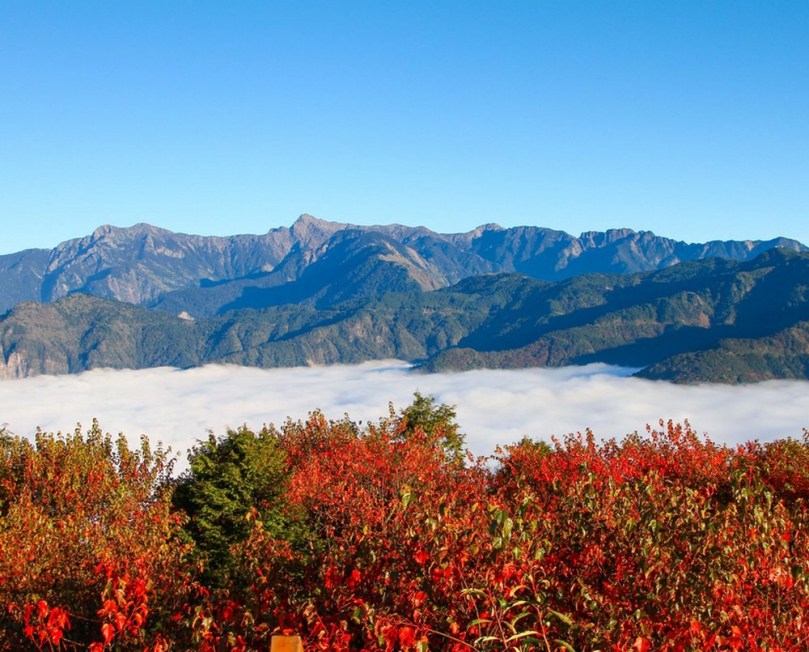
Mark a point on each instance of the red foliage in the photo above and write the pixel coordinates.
(658, 542)
(86, 526)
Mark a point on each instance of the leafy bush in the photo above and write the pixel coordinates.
(90, 550)
(389, 537)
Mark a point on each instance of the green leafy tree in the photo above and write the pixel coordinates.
(432, 419)
(229, 478)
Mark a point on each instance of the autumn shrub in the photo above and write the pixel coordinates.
(785, 466)
(89, 548)
(658, 541)
(668, 542)
(375, 502)
(388, 536)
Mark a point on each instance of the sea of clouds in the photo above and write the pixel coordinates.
(494, 407)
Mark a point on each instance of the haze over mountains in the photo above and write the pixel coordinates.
(322, 292)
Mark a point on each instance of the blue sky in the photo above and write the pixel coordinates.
(690, 119)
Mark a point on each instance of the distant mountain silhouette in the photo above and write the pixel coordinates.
(321, 263)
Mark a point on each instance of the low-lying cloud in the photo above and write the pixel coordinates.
(494, 407)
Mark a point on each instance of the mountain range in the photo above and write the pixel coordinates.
(322, 263)
(321, 293)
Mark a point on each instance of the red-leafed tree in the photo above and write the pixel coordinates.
(90, 551)
(389, 537)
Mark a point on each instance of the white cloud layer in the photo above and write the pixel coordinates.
(494, 407)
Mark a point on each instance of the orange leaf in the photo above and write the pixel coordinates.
(642, 644)
(108, 632)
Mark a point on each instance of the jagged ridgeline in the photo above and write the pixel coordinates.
(323, 293)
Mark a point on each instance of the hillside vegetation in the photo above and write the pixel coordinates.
(704, 321)
(387, 536)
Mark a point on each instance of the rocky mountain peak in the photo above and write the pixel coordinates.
(135, 231)
(311, 231)
(491, 226)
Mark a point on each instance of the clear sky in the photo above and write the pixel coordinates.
(686, 118)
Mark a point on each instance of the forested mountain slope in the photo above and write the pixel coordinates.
(709, 320)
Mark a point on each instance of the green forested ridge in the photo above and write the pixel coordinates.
(711, 320)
